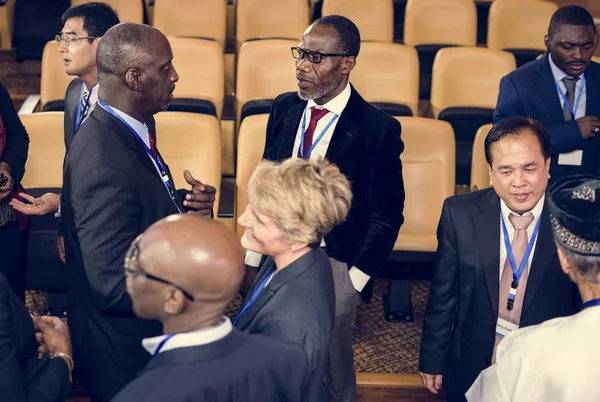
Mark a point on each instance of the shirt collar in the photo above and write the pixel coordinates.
(337, 104)
(557, 73)
(201, 336)
(536, 211)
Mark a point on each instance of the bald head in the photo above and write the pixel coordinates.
(198, 254)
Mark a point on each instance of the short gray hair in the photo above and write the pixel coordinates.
(588, 266)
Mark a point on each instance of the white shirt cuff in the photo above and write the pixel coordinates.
(359, 278)
(253, 258)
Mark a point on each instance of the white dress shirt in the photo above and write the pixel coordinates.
(556, 361)
(335, 107)
(505, 210)
(558, 75)
(92, 96)
(202, 336)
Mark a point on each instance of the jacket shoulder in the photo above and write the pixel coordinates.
(287, 99)
(467, 201)
(523, 72)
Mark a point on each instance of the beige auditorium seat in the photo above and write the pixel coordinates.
(54, 80)
(428, 173)
(44, 166)
(374, 18)
(199, 64)
(596, 59)
(204, 19)
(128, 10)
(387, 74)
(191, 141)
(7, 14)
(519, 27)
(271, 19)
(480, 177)
(251, 143)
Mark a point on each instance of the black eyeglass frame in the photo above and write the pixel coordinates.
(310, 55)
(132, 254)
(60, 38)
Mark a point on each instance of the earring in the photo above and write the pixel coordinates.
(292, 248)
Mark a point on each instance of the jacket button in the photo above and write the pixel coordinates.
(487, 360)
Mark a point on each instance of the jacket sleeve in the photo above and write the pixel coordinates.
(443, 300)
(386, 198)
(106, 215)
(17, 139)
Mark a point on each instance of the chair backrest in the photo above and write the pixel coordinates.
(7, 16)
(128, 10)
(44, 166)
(54, 80)
(596, 59)
(440, 22)
(199, 64)
(271, 19)
(428, 173)
(251, 144)
(480, 177)
(254, 80)
(374, 18)
(519, 24)
(468, 77)
(388, 72)
(191, 141)
(192, 18)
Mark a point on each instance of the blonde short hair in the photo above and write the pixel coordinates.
(305, 199)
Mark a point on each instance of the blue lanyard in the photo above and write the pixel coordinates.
(314, 144)
(163, 171)
(573, 110)
(80, 112)
(591, 303)
(254, 296)
(162, 343)
(517, 272)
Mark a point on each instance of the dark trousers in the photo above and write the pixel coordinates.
(13, 256)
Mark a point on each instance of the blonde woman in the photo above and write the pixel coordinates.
(291, 207)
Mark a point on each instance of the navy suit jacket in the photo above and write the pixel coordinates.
(530, 91)
(237, 368)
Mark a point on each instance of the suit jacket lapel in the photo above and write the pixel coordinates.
(289, 130)
(346, 129)
(544, 81)
(487, 230)
(545, 252)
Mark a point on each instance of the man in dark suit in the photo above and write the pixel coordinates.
(328, 118)
(116, 185)
(561, 91)
(496, 268)
(201, 356)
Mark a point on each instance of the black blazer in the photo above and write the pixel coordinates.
(17, 139)
(24, 378)
(297, 306)
(237, 368)
(460, 320)
(531, 91)
(111, 193)
(366, 146)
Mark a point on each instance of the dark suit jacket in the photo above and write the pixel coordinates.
(24, 378)
(530, 91)
(460, 320)
(366, 146)
(111, 193)
(237, 368)
(297, 306)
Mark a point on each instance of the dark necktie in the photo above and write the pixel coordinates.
(152, 144)
(315, 116)
(570, 83)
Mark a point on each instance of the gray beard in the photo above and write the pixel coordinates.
(327, 88)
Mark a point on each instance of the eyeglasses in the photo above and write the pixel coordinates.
(313, 57)
(62, 39)
(131, 259)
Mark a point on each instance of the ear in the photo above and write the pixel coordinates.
(174, 302)
(489, 167)
(565, 264)
(547, 42)
(349, 63)
(133, 79)
(547, 167)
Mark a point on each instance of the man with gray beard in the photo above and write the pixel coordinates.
(327, 118)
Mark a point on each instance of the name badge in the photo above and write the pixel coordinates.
(504, 327)
(165, 177)
(573, 158)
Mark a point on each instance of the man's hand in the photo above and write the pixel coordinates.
(202, 197)
(6, 189)
(60, 245)
(36, 206)
(53, 335)
(433, 382)
(588, 125)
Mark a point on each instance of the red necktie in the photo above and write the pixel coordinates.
(152, 144)
(315, 116)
